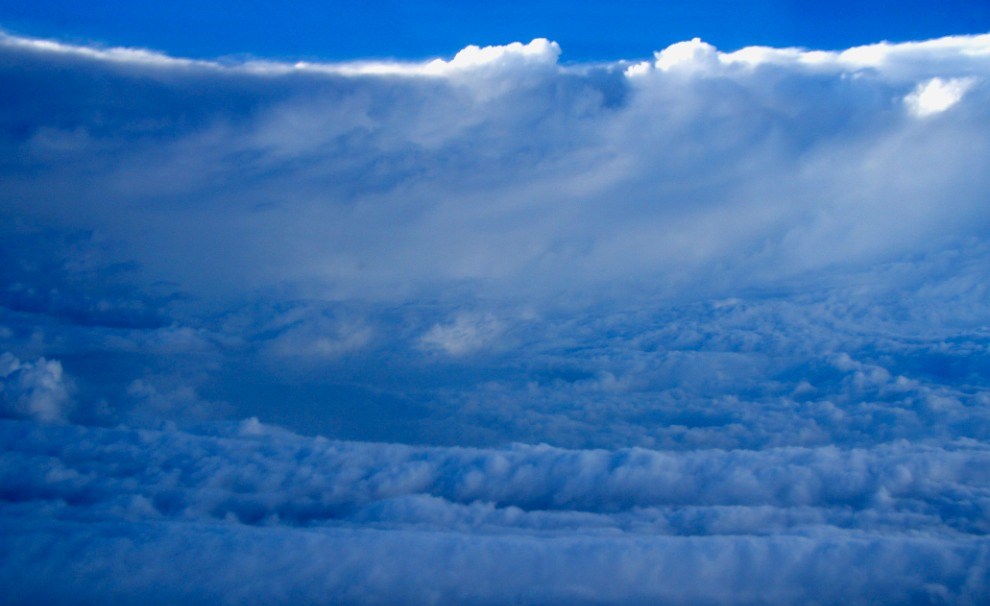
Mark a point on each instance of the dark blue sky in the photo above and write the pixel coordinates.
(388, 28)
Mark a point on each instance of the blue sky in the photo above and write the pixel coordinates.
(586, 30)
(533, 305)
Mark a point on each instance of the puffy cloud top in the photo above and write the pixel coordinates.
(539, 51)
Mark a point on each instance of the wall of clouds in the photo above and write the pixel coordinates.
(501, 171)
(361, 232)
(707, 328)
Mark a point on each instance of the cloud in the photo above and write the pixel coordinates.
(709, 327)
(137, 56)
(260, 503)
(683, 55)
(466, 334)
(34, 390)
(539, 51)
(326, 230)
(306, 333)
(518, 180)
(937, 95)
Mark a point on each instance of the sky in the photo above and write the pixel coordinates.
(586, 31)
(664, 304)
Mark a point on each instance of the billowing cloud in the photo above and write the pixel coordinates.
(303, 519)
(709, 327)
(501, 246)
(506, 173)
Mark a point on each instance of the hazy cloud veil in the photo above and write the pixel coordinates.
(708, 328)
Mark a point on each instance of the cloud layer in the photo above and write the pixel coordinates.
(501, 171)
(485, 216)
(706, 328)
(287, 518)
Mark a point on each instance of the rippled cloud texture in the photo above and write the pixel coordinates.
(708, 328)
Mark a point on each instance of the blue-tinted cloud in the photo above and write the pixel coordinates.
(499, 170)
(34, 390)
(299, 519)
(500, 247)
(705, 328)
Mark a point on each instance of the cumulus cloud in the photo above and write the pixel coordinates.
(686, 55)
(539, 51)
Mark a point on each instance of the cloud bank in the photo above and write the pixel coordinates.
(290, 519)
(705, 328)
(502, 171)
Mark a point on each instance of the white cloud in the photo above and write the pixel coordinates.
(895, 61)
(937, 95)
(693, 54)
(135, 56)
(540, 51)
